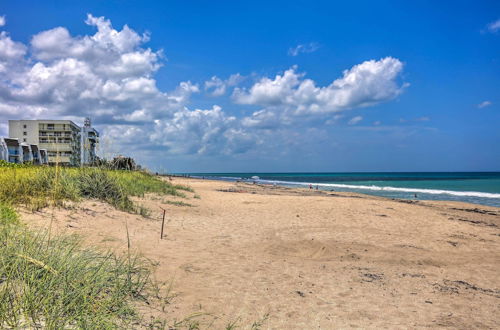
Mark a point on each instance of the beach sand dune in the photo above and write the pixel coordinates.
(309, 259)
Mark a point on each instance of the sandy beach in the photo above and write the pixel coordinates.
(301, 259)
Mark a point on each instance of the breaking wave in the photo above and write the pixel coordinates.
(384, 188)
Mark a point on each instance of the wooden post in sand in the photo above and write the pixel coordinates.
(162, 224)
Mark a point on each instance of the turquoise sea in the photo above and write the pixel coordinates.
(473, 187)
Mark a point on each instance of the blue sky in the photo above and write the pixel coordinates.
(264, 86)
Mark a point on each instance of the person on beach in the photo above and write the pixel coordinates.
(310, 186)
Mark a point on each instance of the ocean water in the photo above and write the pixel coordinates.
(473, 187)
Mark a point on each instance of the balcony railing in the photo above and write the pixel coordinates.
(57, 134)
(54, 141)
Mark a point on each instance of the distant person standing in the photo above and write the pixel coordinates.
(310, 186)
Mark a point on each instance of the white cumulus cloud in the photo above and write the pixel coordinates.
(291, 95)
(218, 87)
(217, 132)
(9, 49)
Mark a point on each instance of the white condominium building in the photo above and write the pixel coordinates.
(64, 141)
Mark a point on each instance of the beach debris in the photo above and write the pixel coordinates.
(232, 190)
(409, 246)
(476, 210)
(372, 277)
(300, 293)
(352, 256)
(407, 201)
(190, 268)
(453, 287)
(475, 222)
(413, 275)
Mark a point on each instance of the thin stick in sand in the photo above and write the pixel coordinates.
(162, 223)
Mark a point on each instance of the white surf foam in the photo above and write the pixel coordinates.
(395, 189)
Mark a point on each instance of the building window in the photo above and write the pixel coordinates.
(24, 126)
(24, 140)
(24, 133)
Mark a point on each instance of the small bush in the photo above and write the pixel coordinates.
(96, 183)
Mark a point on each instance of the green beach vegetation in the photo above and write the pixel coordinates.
(56, 282)
(36, 187)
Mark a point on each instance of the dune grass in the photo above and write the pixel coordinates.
(37, 187)
(7, 215)
(58, 283)
(137, 183)
(178, 203)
